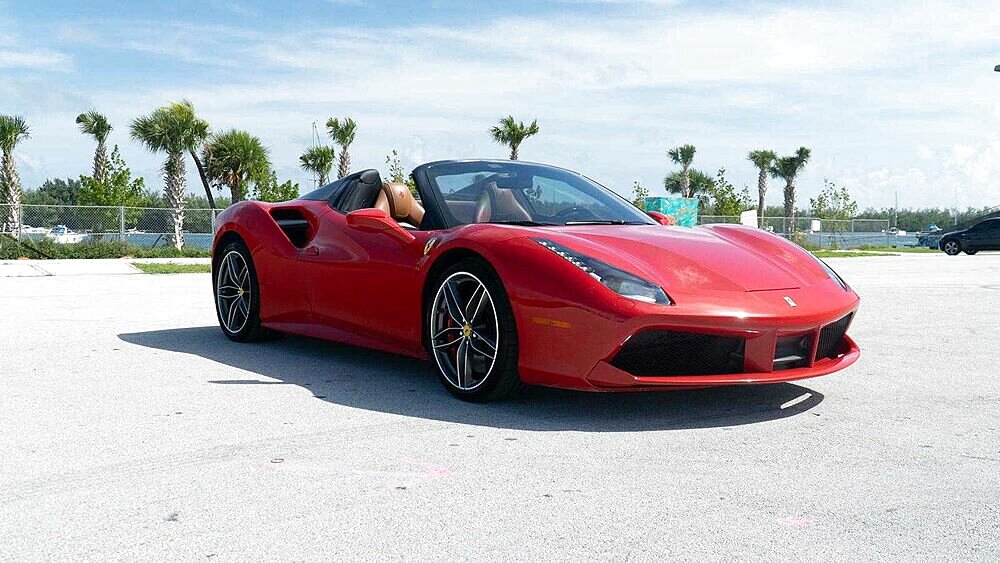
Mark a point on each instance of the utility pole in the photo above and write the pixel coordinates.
(895, 212)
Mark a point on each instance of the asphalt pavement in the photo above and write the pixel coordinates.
(130, 428)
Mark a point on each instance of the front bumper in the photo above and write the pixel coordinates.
(581, 347)
(604, 375)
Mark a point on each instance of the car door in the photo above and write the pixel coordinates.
(991, 235)
(979, 236)
(364, 286)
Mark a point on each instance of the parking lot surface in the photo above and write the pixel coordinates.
(131, 428)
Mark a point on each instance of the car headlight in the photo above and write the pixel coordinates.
(831, 273)
(619, 281)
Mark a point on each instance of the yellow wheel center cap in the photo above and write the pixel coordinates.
(241, 292)
(467, 331)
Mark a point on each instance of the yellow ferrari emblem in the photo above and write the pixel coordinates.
(467, 331)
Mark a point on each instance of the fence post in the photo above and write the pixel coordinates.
(215, 213)
(121, 223)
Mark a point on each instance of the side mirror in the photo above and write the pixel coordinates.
(661, 218)
(378, 221)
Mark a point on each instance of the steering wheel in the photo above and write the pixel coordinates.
(576, 212)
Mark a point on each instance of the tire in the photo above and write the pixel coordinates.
(951, 246)
(471, 316)
(237, 294)
(971, 252)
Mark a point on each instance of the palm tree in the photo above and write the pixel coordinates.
(234, 159)
(787, 168)
(698, 183)
(762, 159)
(319, 161)
(342, 133)
(13, 130)
(683, 155)
(513, 133)
(204, 178)
(97, 126)
(173, 129)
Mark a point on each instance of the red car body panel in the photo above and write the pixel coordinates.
(367, 288)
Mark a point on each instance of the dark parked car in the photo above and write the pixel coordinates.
(984, 235)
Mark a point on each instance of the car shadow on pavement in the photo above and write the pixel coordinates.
(376, 381)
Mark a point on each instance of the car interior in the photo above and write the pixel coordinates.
(370, 191)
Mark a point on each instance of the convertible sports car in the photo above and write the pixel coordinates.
(507, 273)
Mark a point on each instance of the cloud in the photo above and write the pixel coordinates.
(34, 59)
(863, 85)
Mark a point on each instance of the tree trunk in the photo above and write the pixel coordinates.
(686, 182)
(345, 162)
(323, 178)
(236, 190)
(11, 187)
(513, 152)
(761, 191)
(204, 179)
(790, 203)
(101, 162)
(174, 192)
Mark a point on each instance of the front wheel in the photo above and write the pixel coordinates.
(971, 252)
(471, 334)
(237, 294)
(951, 247)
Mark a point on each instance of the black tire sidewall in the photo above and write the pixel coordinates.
(503, 381)
(944, 247)
(251, 330)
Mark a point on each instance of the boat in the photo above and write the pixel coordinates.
(61, 234)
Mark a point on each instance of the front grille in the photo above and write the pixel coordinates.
(792, 352)
(668, 352)
(830, 337)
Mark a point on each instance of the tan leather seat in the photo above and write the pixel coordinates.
(499, 204)
(399, 203)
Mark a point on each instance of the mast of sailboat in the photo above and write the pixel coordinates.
(315, 143)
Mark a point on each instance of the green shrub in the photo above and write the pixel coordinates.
(12, 250)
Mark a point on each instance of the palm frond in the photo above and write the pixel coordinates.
(509, 131)
(233, 158)
(683, 155)
(762, 158)
(700, 182)
(342, 131)
(94, 124)
(13, 130)
(174, 128)
(318, 159)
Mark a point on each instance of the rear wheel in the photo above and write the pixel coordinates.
(951, 247)
(237, 294)
(471, 334)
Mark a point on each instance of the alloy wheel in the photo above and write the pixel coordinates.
(951, 247)
(233, 292)
(464, 331)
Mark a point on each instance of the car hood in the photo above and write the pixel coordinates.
(717, 257)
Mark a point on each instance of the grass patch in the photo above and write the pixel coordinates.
(170, 268)
(12, 250)
(847, 254)
(909, 249)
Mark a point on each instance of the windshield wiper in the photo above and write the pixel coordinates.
(604, 222)
(524, 223)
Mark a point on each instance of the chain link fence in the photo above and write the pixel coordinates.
(827, 233)
(150, 226)
(147, 227)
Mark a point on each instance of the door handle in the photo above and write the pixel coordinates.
(312, 251)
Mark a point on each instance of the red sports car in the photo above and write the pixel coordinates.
(507, 273)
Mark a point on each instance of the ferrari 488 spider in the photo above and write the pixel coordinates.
(506, 273)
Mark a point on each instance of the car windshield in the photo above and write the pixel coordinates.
(526, 194)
